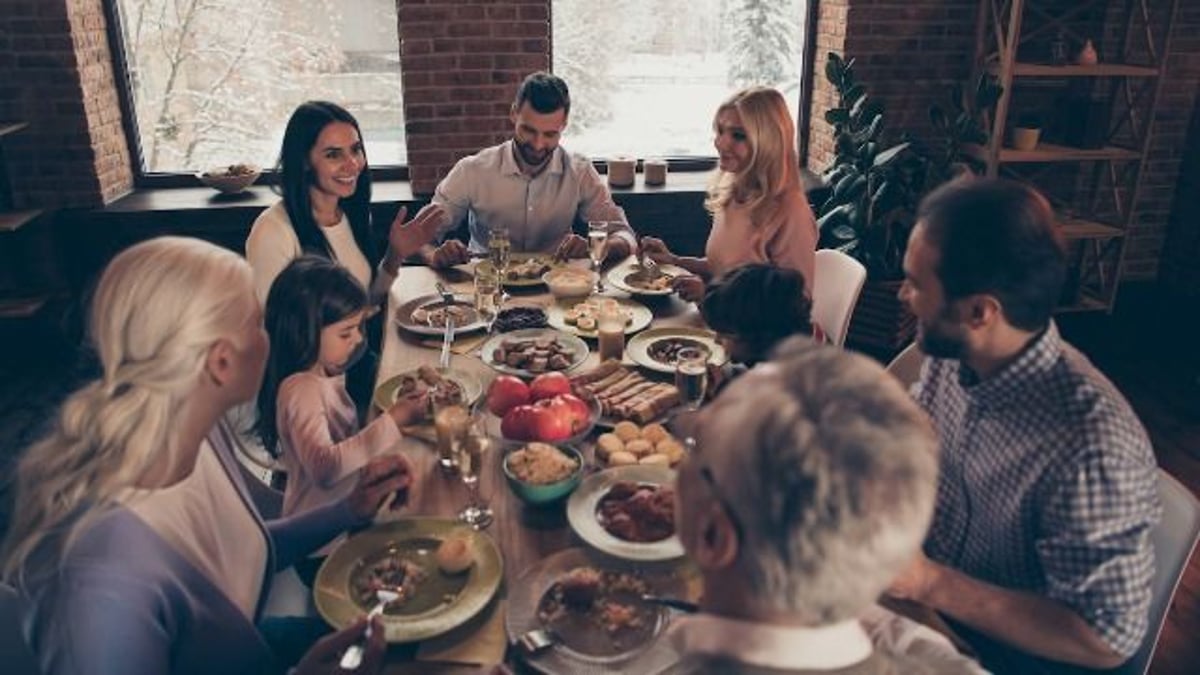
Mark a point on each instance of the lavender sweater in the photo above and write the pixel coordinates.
(122, 601)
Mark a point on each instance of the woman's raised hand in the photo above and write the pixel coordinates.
(657, 250)
(406, 239)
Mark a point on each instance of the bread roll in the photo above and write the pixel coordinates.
(655, 433)
(454, 555)
(655, 459)
(622, 458)
(639, 448)
(607, 444)
(627, 431)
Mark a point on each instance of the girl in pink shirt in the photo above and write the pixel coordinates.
(760, 213)
(314, 316)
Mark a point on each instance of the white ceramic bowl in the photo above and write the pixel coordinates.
(221, 180)
(570, 282)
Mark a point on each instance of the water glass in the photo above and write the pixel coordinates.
(597, 237)
(450, 423)
(472, 453)
(691, 376)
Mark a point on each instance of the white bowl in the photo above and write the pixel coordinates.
(570, 282)
(223, 180)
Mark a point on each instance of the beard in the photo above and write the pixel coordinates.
(942, 337)
(531, 155)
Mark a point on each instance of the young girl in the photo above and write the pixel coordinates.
(314, 317)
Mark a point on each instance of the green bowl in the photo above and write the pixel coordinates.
(550, 492)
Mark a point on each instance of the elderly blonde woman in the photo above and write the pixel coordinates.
(760, 213)
(809, 487)
(134, 543)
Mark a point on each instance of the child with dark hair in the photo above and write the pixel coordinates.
(754, 307)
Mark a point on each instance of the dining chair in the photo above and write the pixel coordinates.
(14, 653)
(906, 366)
(1173, 541)
(839, 280)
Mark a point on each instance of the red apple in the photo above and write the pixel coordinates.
(519, 423)
(505, 393)
(551, 421)
(579, 411)
(549, 385)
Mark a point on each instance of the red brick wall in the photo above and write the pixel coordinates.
(56, 73)
(462, 61)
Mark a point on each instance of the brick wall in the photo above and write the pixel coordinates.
(56, 73)
(463, 61)
(1179, 271)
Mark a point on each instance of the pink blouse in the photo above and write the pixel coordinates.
(789, 241)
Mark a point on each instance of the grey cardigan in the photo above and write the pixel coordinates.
(122, 601)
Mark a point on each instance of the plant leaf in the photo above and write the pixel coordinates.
(887, 156)
(837, 116)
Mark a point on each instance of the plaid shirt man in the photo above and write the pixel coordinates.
(1047, 484)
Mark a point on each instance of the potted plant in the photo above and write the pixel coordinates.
(1026, 132)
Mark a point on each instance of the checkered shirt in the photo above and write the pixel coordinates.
(1048, 484)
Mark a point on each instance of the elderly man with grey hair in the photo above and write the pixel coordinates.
(810, 487)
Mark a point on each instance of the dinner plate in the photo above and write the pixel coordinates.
(640, 316)
(385, 394)
(548, 258)
(577, 347)
(581, 513)
(404, 315)
(569, 655)
(439, 603)
(637, 349)
(624, 276)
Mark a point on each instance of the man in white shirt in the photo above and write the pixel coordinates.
(810, 484)
(529, 186)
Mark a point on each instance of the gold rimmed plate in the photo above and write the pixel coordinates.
(437, 602)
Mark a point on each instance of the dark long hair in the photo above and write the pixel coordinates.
(759, 304)
(296, 178)
(310, 294)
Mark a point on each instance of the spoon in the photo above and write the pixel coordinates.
(673, 603)
(352, 657)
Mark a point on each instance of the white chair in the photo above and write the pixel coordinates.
(1173, 541)
(906, 366)
(839, 280)
(14, 653)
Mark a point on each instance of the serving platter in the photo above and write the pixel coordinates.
(575, 348)
(548, 261)
(638, 314)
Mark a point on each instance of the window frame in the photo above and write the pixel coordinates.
(133, 139)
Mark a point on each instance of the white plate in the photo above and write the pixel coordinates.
(577, 347)
(404, 315)
(385, 393)
(637, 349)
(641, 316)
(581, 513)
(618, 276)
(533, 281)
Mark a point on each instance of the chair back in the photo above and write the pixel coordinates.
(1173, 541)
(839, 280)
(14, 653)
(906, 366)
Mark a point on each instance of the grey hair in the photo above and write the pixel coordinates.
(834, 485)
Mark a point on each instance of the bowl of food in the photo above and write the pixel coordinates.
(230, 179)
(570, 282)
(544, 410)
(541, 473)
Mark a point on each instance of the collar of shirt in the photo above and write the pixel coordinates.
(772, 646)
(509, 165)
(1012, 382)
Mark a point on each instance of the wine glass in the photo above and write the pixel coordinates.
(487, 292)
(691, 376)
(597, 236)
(450, 424)
(472, 453)
(499, 254)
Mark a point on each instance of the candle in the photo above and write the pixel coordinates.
(620, 171)
(655, 171)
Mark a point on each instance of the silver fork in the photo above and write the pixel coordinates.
(353, 656)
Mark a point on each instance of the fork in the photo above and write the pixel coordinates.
(353, 656)
(648, 266)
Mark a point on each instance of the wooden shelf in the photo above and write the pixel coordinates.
(1072, 70)
(1051, 152)
(11, 221)
(22, 308)
(1079, 228)
(1086, 303)
(7, 128)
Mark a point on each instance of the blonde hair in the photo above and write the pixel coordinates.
(158, 308)
(774, 168)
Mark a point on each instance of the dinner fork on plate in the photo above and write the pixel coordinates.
(352, 657)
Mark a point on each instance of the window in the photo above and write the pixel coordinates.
(647, 77)
(213, 82)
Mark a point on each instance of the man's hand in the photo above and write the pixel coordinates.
(655, 249)
(617, 248)
(406, 239)
(689, 287)
(376, 481)
(915, 582)
(449, 254)
(323, 657)
(572, 246)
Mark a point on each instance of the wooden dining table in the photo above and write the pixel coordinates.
(524, 534)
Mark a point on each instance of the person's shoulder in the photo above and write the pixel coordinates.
(488, 157)
(1089, 401)
(304, 384)
(272, 224)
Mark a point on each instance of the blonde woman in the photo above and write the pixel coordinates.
(134, 543)
(760, 213)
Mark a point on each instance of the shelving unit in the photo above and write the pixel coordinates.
(1008, 33)
(15, 235)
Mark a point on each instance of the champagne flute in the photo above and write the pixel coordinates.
(472, 452)
(487, 292)
(691, 376)
(597, 236)
(499, 254)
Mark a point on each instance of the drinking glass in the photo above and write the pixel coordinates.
(487, 291)
(472, 453)
(691, 376)
(597, 235)
(499, 248)
(450, 423)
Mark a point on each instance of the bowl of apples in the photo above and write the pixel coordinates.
(544, 410)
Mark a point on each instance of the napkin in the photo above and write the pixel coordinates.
(481, 640)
